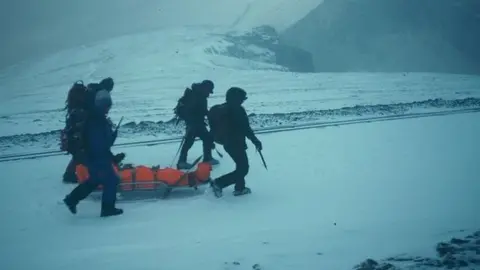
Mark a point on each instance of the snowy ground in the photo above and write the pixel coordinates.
(151, 79)
(388, 191)
(379, 190)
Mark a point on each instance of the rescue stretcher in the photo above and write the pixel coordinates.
(156, 181)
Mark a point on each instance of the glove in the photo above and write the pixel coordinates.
(258, 144)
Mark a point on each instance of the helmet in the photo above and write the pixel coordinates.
(236, 95)
(107, 84)
(207, 85)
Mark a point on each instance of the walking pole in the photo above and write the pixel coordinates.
(178, 151)
(218, 153)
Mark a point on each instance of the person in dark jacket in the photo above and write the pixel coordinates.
(235, 143)
(197, 110)
(80, 101)
(75, 106)
(100, 138)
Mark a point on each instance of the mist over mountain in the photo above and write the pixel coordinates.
(391, 36)
(33, 29)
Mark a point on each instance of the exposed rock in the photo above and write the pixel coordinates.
(370, 264)
(262, 44)
(169, 129)
(391, 36)
(459, 253)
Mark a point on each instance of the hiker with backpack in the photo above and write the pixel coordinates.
(230, 125)
(78, 103)
(71, 137)
(192, 108)
(100, 137)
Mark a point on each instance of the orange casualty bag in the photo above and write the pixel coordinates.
(82, 173)
(146, 178)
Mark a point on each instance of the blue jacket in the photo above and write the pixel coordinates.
(100, 139)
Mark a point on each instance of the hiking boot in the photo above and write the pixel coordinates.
(212, 161)
(79, 193)
(241, 192)
(108, 209)
(71, 204)
(216, 189)
(183, 165)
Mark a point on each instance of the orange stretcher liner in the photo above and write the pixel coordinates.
(143, 178)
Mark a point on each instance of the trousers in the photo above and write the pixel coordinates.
(104, 175)
(190, 135)
(239, 155)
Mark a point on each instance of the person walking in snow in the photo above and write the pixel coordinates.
(192, 107)
(71, 137)
(79, 103)
(230, 127)
(100, 137)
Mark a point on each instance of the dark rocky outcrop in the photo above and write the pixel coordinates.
(391, 36)
(263, 44)
(48, 141)
(458, 253)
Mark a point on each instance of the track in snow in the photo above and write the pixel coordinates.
(15, 157)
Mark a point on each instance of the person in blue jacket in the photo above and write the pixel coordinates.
(100, 137)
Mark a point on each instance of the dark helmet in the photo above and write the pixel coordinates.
(208, 86)
(204, 88)
(107, 84)
(236, 95)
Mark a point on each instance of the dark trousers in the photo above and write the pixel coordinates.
(69, 174)
(99, 175)
(237, 177)
(190, 135)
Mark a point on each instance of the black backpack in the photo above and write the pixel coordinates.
(182, 110)
(72, 137)
(218, 122)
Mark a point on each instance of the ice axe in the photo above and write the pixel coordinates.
(263, 159)
(118, 125)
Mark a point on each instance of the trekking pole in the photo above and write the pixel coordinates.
(218, 153)
(263, 159)
(178, 151)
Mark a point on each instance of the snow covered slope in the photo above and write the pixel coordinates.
(52, 25)
(354, 192)
(152, 69)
